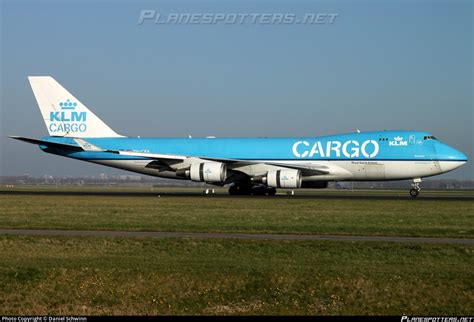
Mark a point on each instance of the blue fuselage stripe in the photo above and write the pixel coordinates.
(439, 160)
(368, 146)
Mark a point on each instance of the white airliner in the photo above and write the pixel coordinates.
(248, 165)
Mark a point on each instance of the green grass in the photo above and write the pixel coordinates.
(46, 275)
(378, 217)
(98, 275)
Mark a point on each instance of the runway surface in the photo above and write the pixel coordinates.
(356, 195)
(153, 234)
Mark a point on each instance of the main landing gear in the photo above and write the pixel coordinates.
(415, 188)
(257, 190)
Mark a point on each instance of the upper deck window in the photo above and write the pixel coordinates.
(430, 137)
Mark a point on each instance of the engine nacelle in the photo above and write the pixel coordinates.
(208, 172)
(284, 178)
(314, 184)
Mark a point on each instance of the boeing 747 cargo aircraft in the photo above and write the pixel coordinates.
(248, 165)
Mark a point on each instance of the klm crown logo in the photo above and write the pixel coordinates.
(67, 105)
(398, 141)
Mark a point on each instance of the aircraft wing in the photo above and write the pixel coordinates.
(154, 156)
(234, 163)
(305, 168)
(162, 159)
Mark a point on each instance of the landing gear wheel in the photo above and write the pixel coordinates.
(414, 192)
(233, 190)
(271, 191)
(415, 188)
(239, 190)
(258, 191)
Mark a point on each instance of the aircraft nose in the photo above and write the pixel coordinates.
(455, 155)
(450, 158)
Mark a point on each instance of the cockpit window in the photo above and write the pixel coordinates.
(430, 137)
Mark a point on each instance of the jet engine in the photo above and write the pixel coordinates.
(208, 172)
(288, 178)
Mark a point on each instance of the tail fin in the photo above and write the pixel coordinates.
(65, 115)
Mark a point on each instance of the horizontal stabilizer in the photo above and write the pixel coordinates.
(48, 143)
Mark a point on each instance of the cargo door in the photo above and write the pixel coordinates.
(375, 171)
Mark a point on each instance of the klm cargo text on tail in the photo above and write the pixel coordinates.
(67, 120)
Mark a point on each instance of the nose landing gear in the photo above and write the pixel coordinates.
(415, 188)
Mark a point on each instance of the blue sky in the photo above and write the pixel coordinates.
(380, 65)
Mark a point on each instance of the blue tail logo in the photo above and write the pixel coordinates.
(68, 105)
(67, 120)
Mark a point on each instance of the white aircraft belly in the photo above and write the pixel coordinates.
(389, 170)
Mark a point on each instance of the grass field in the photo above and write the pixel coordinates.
(98, 275)
(185, 276)
(379, 217)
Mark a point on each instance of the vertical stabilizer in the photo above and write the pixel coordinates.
(65, 115)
